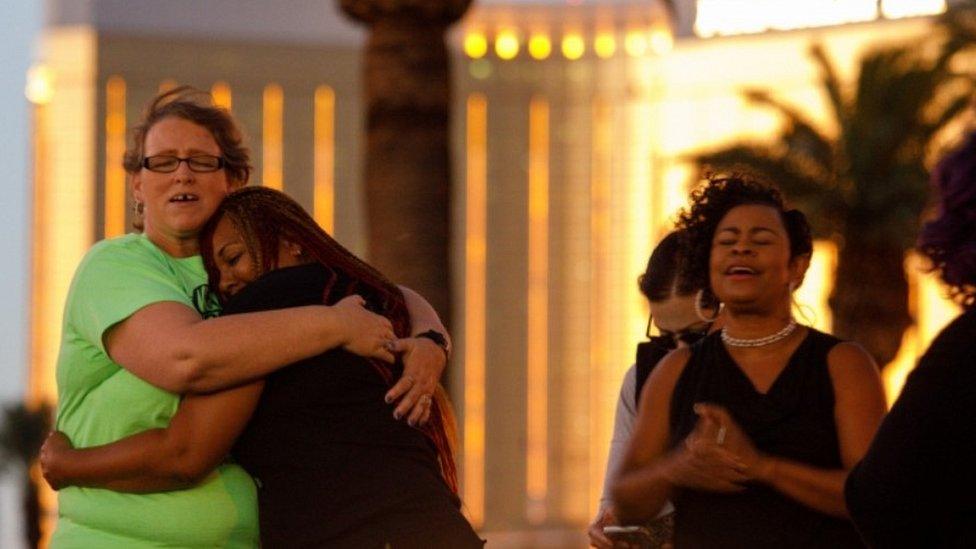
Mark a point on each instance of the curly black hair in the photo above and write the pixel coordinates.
(949, 240)
(713, 199)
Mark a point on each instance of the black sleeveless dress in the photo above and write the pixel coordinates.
(332, 465)
(793, 420)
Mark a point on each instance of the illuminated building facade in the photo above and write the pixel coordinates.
(571, 124)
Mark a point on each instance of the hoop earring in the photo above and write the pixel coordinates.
(700, 309)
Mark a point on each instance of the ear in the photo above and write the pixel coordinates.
(137, 188)
(291, 248)
(798, 270)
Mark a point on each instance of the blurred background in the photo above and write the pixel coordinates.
(513, 160)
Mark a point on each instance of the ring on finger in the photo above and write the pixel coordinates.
(425, 399)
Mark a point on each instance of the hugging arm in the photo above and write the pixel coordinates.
(423, 360)
(197, 440)
(189, 354)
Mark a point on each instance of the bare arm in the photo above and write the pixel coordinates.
(170, 346)
(199, 437)
(423, 317)
(650, 472)
(858, 410)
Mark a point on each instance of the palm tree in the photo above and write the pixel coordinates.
(22, 432)
(408, 168)
(866, 187)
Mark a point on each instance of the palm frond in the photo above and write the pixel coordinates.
(831, 84)
(800, 136)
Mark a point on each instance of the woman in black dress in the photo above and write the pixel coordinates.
(915, 487)
(334, 468)
(751, 431)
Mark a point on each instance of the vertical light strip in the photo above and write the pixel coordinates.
(222, 95)
(599, 319)
(538, 304)
(475, 302)
(324, 193)
(41, 338)
(272, 128)
(114, 151)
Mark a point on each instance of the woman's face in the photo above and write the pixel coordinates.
(236, 265)
(177, 204)
(675, 317)
(750, 259)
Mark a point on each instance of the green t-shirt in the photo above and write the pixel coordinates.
(101, 402)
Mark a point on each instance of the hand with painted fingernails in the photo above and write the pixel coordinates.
(367, 334)
(423, 363)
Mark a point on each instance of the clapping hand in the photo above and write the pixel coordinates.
(704, 462)
(753, 464)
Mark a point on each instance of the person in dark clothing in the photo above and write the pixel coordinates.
(751, 431)
(333, 466)
(915, 486)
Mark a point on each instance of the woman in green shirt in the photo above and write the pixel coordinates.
(136, 336)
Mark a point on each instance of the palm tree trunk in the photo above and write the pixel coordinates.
(869, 300)
(407, 161)
(408, 165)
(32, 512)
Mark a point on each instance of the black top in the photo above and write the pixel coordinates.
(333, 467)
(793, 420)
(916, 487)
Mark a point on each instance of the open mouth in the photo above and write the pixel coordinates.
(740, 270)
(184, 197)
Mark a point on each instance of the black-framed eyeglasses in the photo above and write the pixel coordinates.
(165, 163)
(669, 340)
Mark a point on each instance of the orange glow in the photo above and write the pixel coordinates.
(475, 45)
(600, 359)
(573, 46)
(324, 185)
(271, 144)
(63, 220)
(506, 45)
(222, 96)
(475, 303)
(810, 299)
(537, 302)
(167, 85)
(114, 151)
(932, 310)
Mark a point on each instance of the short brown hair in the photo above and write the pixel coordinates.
(194, 106)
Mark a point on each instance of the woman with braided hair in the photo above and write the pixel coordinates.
(751, 432)
(334, 468)
(139, 339)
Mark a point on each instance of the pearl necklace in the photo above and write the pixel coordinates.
(762, 341)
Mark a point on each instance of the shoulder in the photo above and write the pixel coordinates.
(630, 380)
(953, 351)
(852, 369)
(849, 358)
(128, 250)
(665, 375)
